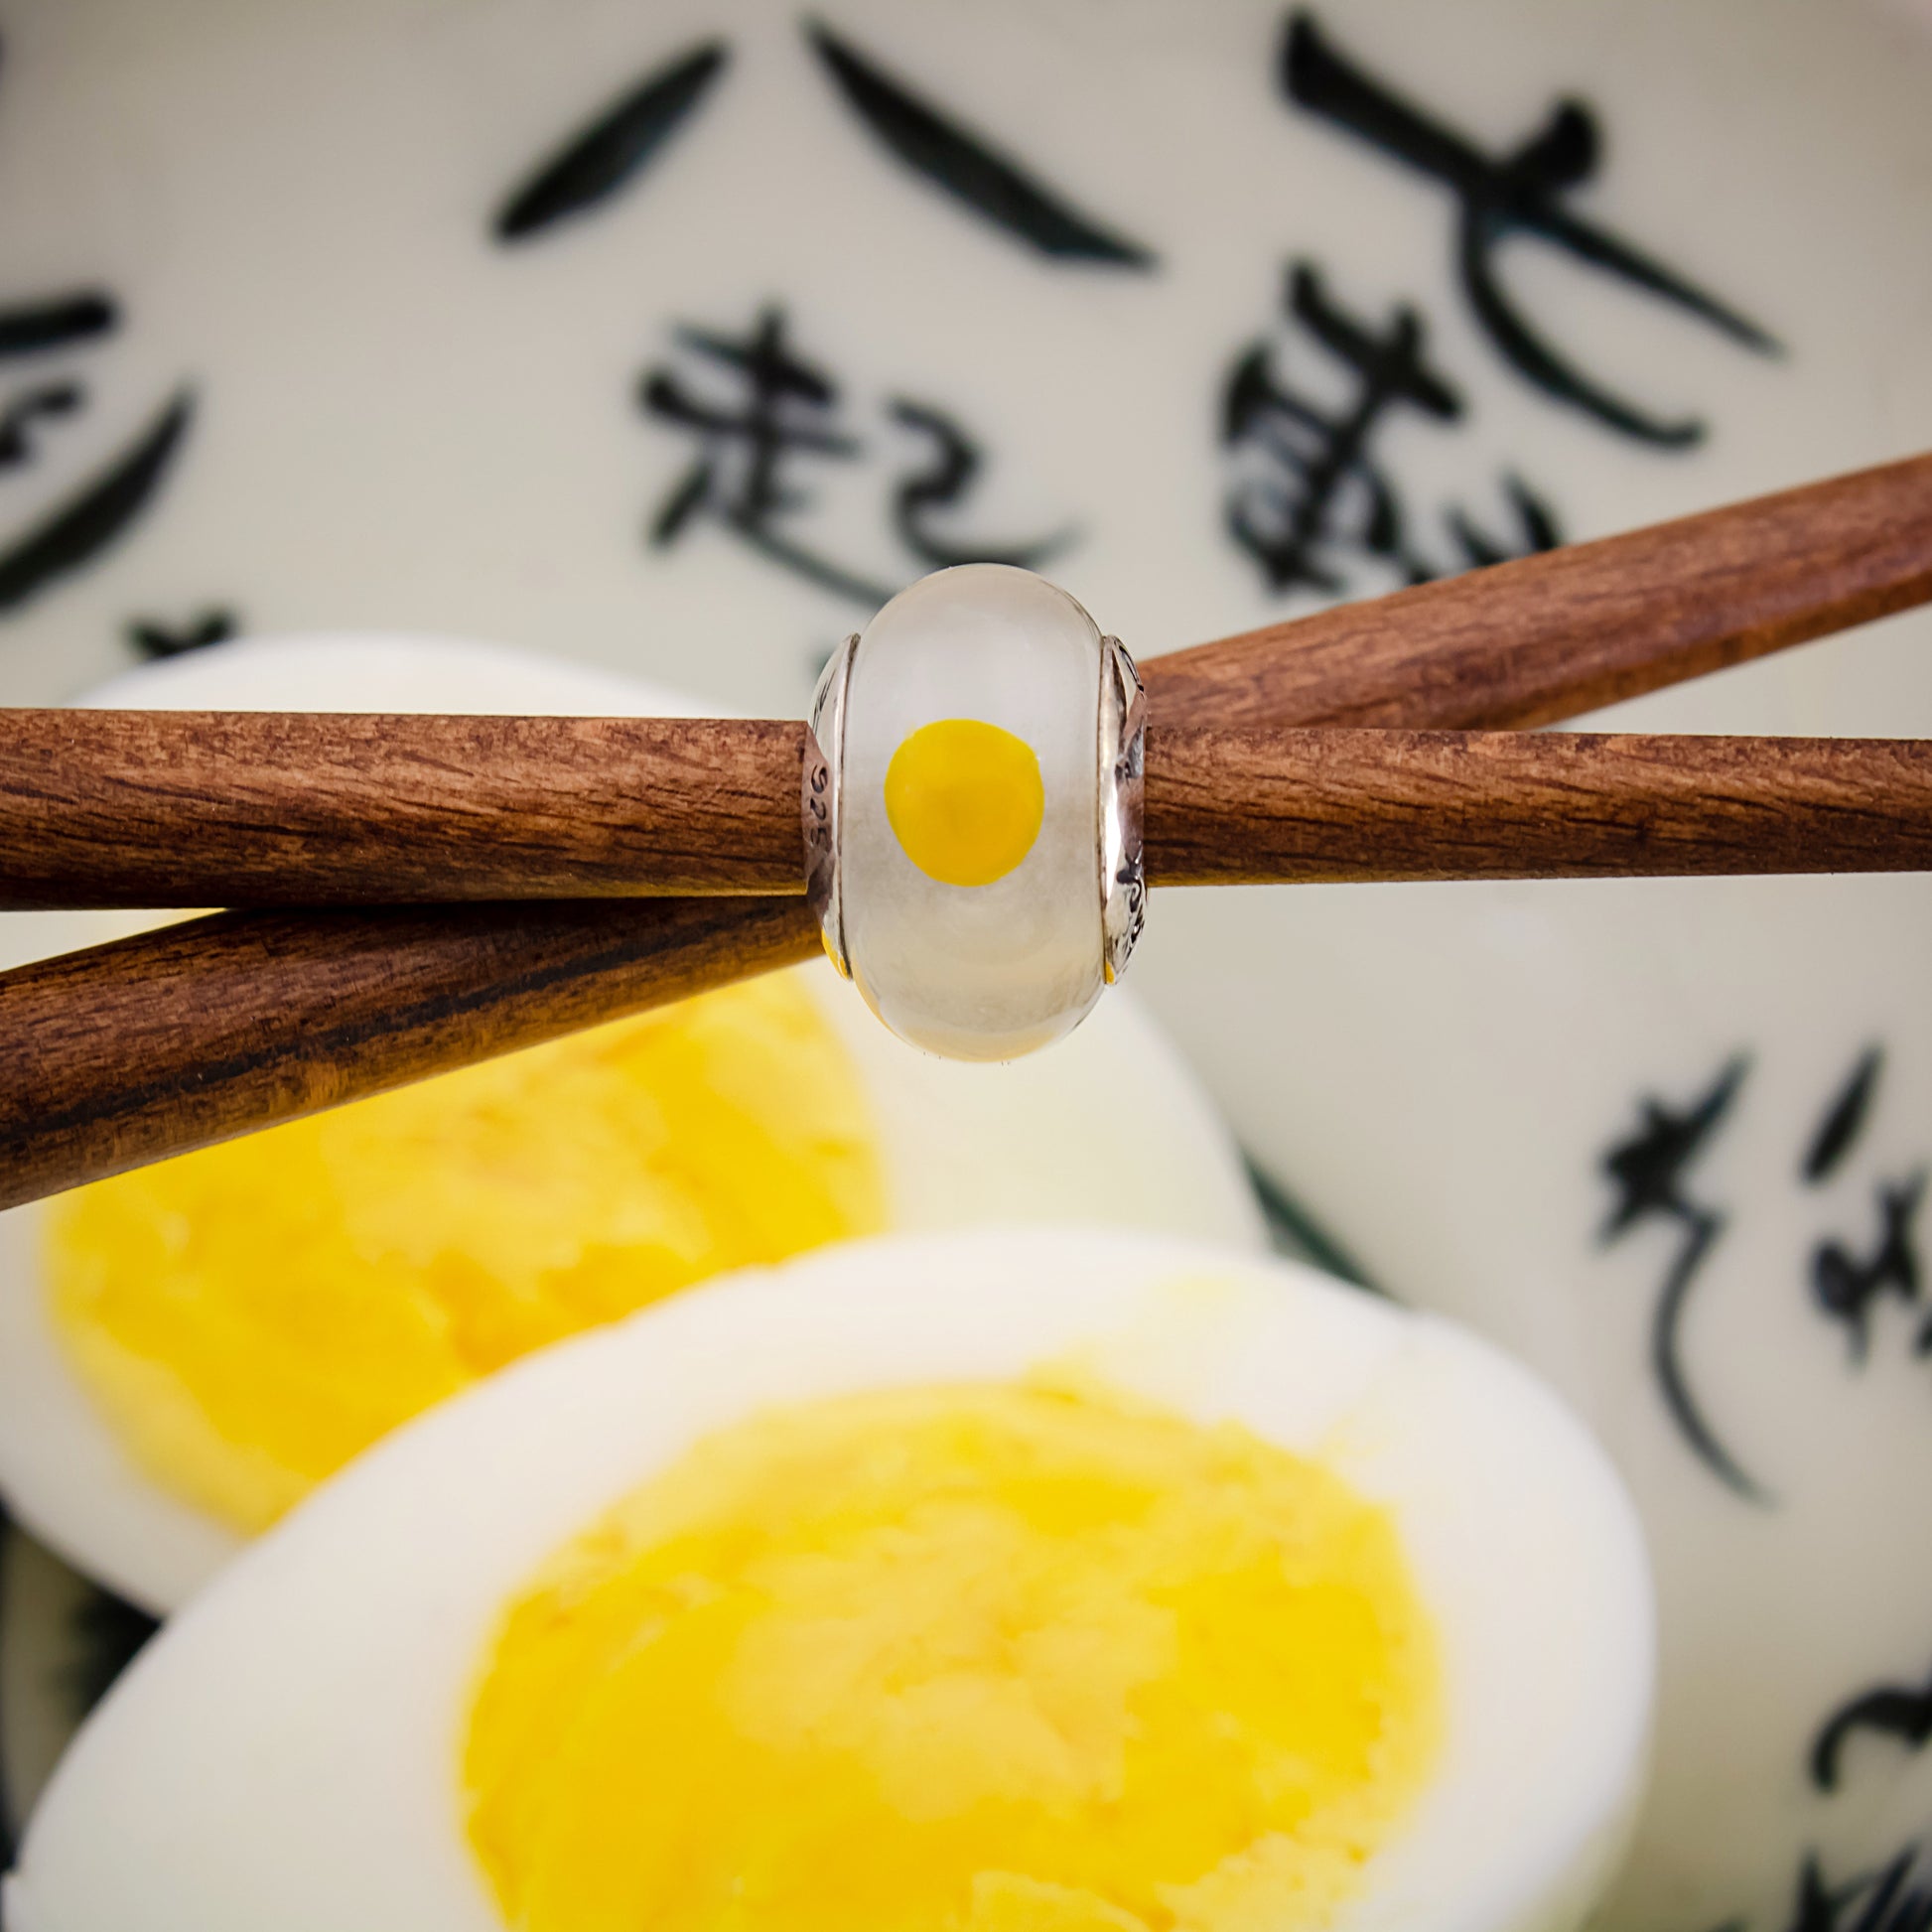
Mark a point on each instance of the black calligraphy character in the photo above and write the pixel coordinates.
(1314, 485)
(78, 530)
(1536, 518)
(1648, 1171)
(939, 487)
(626, 138)
(1896, 1711)
(1294, 1230)
(744, 474)
(1290, 513)
(1846, 1287)
(1881, 1900)
(152, 637)
(965, 165)
(57, 323)
(614, 149)
(1876, 1901)
(1843, 1120)
(1519, 193)
(48, 399)
(747, 473)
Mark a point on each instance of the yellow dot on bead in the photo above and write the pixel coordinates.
(965, 800)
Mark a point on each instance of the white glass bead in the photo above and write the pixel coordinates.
(973, 812)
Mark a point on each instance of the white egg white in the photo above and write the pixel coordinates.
(285, 1755)
(1109, 1127)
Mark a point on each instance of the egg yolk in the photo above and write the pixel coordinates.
(992, 1658)
(251, 1317)
(965, 800)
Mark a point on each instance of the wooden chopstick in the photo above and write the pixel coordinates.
(159, 808)
(153, 809)
(172, 1039)
(1269, 807)
(1546, 638)
(188, 808)
(176, 1038)
(125, 1079)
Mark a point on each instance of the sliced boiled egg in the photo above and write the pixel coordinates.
(1004, 1580)
(186, 1350)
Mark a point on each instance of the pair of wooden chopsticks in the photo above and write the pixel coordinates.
(1361, 743)
(132, 808)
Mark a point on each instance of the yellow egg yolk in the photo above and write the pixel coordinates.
(993, 1657)
(965, 800)
(250, 1316)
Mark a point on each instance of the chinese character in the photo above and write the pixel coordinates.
(937, 488)
(1876, 1901)
(1846, 1287)
(55, 323)
(75, 531)
(963, 164)
(1843, 1120)
(152, 637)
(628, 136)
(623, 141)
(1648, 1169)
(1881, 1900)
(1518, 193)
(1314, 485)
(49, 399)
(78, 530)
(1892, 1710)
(766, 419)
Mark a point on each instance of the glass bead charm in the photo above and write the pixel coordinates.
(972, 801)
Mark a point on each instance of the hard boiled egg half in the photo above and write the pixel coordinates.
(1004, 1581)
(186, 1350)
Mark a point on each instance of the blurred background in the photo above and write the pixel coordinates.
(672, 337)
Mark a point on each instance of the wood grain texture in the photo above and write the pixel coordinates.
(175, 1038)
(1549, 636)
(1233, 808)
(184, 808)
(105, 808)
(127, 1054)
(181, 808)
